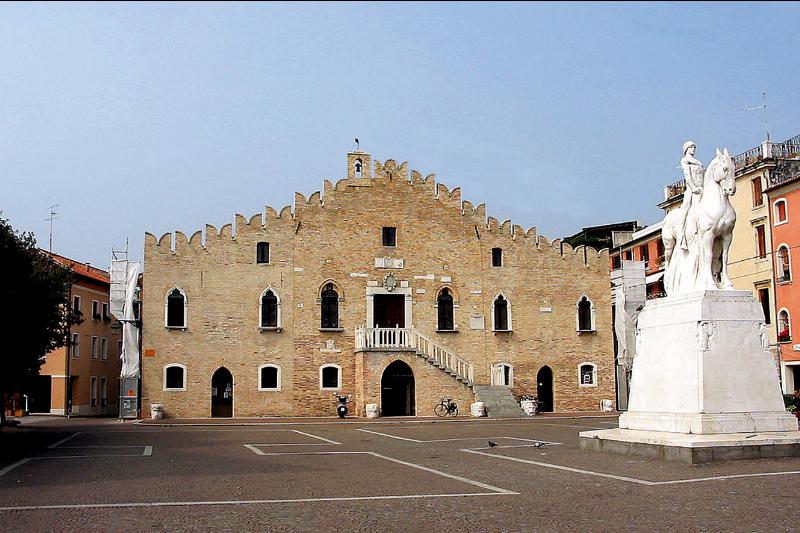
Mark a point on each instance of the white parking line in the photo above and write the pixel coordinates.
(454, 440)
(147, 451)
(62, 441)
(316, 437)
(246, 502)
(497, 490)
(630, 479)
(325, 442)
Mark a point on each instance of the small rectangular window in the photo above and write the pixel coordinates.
(262, 252)
(763, 298)
(389, 236)
(758, 194)
(95, 347)
(497, 257)
(761, 241)
(269, 377)
(106, 317)
(95, 310)
(780, 211)
(103, 392)
(615, 262)
(628, 255)
(94, 391)
(330, 377)
(76, 304)
(644, 253)
(104, 348)
(76, 345)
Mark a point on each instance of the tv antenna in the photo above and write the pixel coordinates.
(51, 218)
(764, 107)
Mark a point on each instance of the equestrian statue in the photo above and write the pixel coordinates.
(697, 236)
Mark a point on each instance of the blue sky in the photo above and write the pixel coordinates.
(161, 117)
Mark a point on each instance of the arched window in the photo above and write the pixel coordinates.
(784, 326)
(585, 315)
(330, 377)
(262, 252)
(175, 309)
(784, 264)
(444, 305)
(269, 378)
(780, 212)
(587, 375)
(175, 377)
(357, 166)
(329, 311)
(270, 310)
(501, 314)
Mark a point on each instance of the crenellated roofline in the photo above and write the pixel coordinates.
(383, 173)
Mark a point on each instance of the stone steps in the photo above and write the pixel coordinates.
(500, 403)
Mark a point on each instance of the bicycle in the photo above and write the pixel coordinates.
(446, 407)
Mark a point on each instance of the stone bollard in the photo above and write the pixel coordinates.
(372, 410)
(156, 411)
(606, 406)
(478, 409)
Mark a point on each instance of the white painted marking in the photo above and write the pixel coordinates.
(62, 441)
(11, 467)
(245, 502)
(630, 479)
(148, 451)
(316, 437)
(252, 448)
(387, 435)
(451, 440)
(99, 446)
(497, 490)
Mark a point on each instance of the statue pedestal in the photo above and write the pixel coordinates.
(702, 379)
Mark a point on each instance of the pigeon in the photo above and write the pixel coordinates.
(537, 444)
(492, 444)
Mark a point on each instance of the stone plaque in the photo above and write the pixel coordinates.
(476, 322)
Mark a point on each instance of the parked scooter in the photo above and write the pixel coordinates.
(341, 408)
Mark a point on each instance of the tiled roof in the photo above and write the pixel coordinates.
(81, 269)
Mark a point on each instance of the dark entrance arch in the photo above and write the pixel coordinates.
(222, 393)
(397, 390)
(544, 388)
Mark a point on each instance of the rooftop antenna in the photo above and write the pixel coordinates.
(51, 218)
(764, 107)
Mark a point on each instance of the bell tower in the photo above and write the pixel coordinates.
(359, 165)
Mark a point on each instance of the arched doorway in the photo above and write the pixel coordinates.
(397, 390)
(544, 388)
(222, 393)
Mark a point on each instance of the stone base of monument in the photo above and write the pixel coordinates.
(704, 386)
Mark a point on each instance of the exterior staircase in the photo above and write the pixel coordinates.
(499, 400)
(500, 403)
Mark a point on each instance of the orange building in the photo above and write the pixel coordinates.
(644, 245)
(82, 378)
(783, 193)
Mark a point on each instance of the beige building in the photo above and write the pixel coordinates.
(386, 286)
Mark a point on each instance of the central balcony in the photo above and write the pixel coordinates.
(385, 339)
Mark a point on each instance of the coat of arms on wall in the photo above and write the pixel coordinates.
(389, 282)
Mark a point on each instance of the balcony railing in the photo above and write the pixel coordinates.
(675, 189)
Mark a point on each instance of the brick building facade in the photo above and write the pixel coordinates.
(388, 287)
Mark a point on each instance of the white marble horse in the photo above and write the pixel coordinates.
(709, 231)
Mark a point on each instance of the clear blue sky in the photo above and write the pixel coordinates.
(157, 117)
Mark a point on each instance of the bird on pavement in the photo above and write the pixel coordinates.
(492, 444)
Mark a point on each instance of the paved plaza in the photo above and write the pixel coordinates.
(410, 474)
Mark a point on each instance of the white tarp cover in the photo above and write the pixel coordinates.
(130, 333)
(119, 283)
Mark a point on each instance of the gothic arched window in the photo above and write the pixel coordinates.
(330, 307)
(270, 309)
(444, 306)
